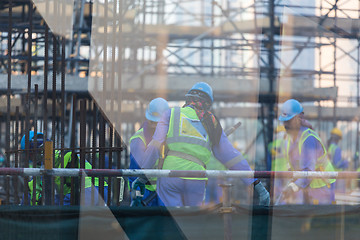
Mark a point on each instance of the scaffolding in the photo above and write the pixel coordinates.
(253, 53)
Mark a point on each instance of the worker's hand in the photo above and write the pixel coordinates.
(306, 123)
(264, 196)
(290, 189)
(137, 191)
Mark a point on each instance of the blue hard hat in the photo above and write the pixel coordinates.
(199, 89)
(155, 109)
(40, 140)
(290, 109)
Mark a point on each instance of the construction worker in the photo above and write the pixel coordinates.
(35, 144)
(73, 161)
(277, 153)
(36, 160)
(305, 152)
(335, 156)
(138, 144)
(192, 133)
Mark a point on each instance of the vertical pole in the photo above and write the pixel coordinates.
(36, 151)
(8, 97)
(334, 74)
(78, 41)
(119, 100)
(49, 163)
(82, 146)
(101, 152)
(226, 210)
(109, 180)
(53, 101)
(17, 200)
(27, 100)
(357, 135)
(94, 152)
(74, 181)
(46, 71)
(271, 72)
(62, 120)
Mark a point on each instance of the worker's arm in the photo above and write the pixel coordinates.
(231, 157)
(152, 152)
(234, 160)
(338, 162)
(137, 150)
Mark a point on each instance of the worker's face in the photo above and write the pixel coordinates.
(152, 125)
(293, 124)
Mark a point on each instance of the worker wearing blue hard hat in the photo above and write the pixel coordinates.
(305, 152)
(145, 194)
(35, 145)
(35, 184)
(192, 133)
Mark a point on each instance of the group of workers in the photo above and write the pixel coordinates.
(63, 185)
(187, 137)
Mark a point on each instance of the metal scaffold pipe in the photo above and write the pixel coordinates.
(177, 173)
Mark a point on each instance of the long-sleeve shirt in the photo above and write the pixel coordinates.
(138, 148)
(311, 150)
(224, 151)
(336, 159)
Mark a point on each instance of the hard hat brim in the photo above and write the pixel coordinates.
(152, 118)
(284, 119)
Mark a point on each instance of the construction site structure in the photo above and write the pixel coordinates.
(83, 71)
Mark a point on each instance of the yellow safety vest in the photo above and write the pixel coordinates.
(277, 150)
(322, 163)
(67, 180)
(188, 143)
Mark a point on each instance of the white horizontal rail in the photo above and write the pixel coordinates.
(177, 173)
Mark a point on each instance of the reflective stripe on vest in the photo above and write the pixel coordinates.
(188, 142)
(232, 162)
(176, 138)
(139, 134)
(322, 163)
(186, 156)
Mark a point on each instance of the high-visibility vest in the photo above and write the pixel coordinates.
(67, 180)
(322, 163)
(277, 149)
(331, 152)
(188, 142)
(152, 181)
(38, 189)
